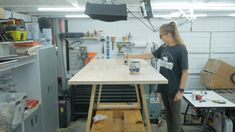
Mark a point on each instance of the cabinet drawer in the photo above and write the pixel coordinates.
(34, 122)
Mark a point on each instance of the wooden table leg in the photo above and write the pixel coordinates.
(137, 95)
(88, 123)
(99, 96)
(146, 113)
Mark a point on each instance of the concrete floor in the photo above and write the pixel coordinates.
(79, 126)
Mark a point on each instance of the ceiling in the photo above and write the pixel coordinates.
(31, 6)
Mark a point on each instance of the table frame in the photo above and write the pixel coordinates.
(100, 72)
(140, 102)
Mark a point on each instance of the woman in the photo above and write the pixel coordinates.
(173, 57)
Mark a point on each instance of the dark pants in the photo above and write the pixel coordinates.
(173, 117)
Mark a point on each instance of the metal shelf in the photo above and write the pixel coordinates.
(6, 43)
(15, 42)
(89, 38)
(5, 20)
(16, 62)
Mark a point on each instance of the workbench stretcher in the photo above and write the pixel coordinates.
(101, 72)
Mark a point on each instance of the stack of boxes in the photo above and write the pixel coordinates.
(218, 75)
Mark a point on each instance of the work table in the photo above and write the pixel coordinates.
(113, 71)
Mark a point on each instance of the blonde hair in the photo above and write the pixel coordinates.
(172, 29)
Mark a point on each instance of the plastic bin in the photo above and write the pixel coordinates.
(5, 50)
(12, 106)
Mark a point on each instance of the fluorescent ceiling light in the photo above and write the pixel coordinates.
(233, 15)
(215, 8)
(195, 6)
(200, 15)
(165, 16)
(77, 16)
(178, 15)
(62, 9)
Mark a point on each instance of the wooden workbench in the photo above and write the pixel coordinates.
(103, 72)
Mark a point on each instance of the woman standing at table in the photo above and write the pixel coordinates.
(173, 58)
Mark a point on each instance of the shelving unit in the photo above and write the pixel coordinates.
(125, 46)
(18, 61)
(125, 42)
(90, 38)
(35, 75)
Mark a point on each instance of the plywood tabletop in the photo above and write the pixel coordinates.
(113, 71)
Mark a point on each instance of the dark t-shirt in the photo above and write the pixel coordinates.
(173, 59)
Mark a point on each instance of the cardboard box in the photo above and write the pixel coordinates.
(213, 81)
(220, 68)
(2, 15)
(217, 75)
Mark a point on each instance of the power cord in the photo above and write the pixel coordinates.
(141, 21)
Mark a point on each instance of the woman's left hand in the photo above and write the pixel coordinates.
(178, 96)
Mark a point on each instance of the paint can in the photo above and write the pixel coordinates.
(134, 67)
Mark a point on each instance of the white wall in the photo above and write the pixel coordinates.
(210, 37)
(26, 18)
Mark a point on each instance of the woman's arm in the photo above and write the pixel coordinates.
(183, 80)
(140, 56)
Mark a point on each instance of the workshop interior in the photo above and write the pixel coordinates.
(63, 65)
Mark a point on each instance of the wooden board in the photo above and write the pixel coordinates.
(119, 121)
(146, 113)
(91, 105)
(118, 106)
(113, 71)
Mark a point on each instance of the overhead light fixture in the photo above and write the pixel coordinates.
(106, 12)
(146, 9)
(215, 8)
(232, 15)
(77, 16)
(80, 9)
(195, 6)
(178, 15)
(166, 16)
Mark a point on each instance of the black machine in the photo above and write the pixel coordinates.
(64, 111)
(106, 12)
(146, 9)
